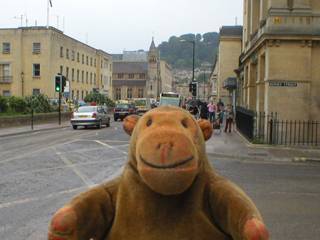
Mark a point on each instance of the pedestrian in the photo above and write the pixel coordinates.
(230, 115)
(220, 108)
(204, 110)
(93, 103)
(212, 111)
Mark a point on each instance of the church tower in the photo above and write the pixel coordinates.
(152, 83)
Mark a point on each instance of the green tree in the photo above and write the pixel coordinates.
(180, 55)
(18, 104)
(100, 99)
(3, 104)
(39, 103)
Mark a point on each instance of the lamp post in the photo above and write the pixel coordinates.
(22, 75)
(193, 54)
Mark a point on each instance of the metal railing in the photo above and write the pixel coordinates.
(262, 128)
(5, 79)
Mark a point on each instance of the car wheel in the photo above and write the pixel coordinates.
(75, 127)
(99, 125)
(115, 119)
(121, 119)
(108, 123)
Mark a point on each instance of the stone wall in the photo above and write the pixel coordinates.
(26, 119)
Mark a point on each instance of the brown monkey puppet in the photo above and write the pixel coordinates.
(168, 190)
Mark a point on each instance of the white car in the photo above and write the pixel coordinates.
(90, 116)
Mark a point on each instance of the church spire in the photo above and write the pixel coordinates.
(153, 48)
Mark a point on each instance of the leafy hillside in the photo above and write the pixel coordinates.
(179, 54)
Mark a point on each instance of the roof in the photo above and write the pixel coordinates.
(231, 30)
(130, 67)
(129, 83)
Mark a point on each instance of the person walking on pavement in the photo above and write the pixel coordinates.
(204, 110)
(230, 114)
(212, 109)
(220, 108)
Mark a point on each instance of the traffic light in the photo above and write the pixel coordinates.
(193, 88)
(57, 83)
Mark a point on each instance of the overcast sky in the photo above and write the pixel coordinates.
(117, 25)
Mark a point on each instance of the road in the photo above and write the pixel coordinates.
(41, 171)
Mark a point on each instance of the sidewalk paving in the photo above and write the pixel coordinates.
(221, 144)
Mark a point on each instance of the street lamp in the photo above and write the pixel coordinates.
(22, 75)
(193, 54)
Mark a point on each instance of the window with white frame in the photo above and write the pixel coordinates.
(214, 86)
(6, 71)
(36, 70)
(36, 47)
(6, 47)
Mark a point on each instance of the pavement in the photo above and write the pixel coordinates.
(221, 144)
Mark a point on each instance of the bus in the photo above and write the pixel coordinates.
(170, 99)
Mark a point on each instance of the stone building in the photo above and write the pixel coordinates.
(222, 77)
(279, 65)
(32, 56)
(140, 76)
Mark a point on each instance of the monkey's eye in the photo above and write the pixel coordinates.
(149, 122)
(184, 124)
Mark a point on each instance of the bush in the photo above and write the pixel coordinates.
(100, 99)
(39, 102)
(3, 104)
(18, 104)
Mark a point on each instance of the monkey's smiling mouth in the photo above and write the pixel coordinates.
(166, 167)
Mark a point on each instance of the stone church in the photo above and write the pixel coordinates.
(140, 74)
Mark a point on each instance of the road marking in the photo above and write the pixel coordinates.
(36, 151)
(37, 199)
(109, 146)
(77, 171)
(296, 193)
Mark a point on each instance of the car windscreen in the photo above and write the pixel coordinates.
(123, 106)
(86, 109)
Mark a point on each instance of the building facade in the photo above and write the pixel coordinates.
(32, 56)
(279, 65)
(227, 60)
(141, 75)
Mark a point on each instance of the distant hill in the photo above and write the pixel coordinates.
(179, 54)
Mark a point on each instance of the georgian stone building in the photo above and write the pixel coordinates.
(32, 56)
(142, 77)
(222, 77)
(279, 64)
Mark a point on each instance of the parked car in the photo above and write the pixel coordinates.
(90, 116)
(82, 103)
(121, 110)
(56, 101)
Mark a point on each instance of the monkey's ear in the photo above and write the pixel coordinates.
(206, 128)
(129, 123)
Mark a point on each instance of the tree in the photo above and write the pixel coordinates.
(100, 99)
(3, 104)
(180, 55)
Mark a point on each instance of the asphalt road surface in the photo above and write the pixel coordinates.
(42, 171)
